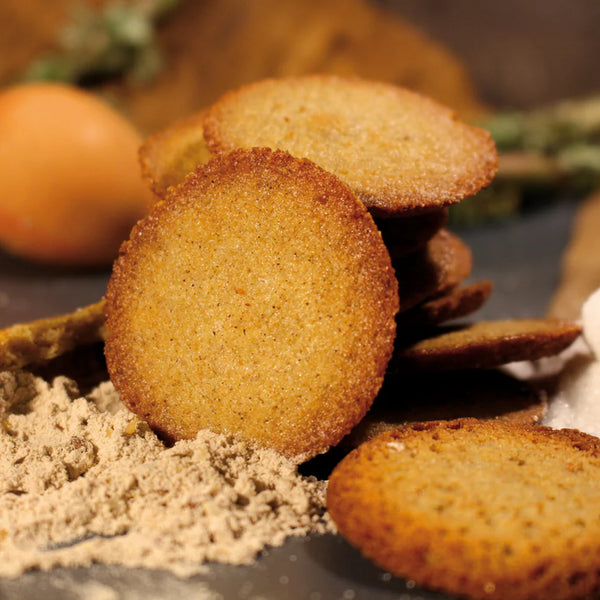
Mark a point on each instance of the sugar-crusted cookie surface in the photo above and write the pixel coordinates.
(258, 300)
(399, 151)
(476, 509)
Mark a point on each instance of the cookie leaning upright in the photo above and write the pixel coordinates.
(258, 300)
(483, 510)
(400, 152)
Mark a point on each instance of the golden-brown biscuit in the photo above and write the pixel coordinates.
(477, 509)
(456, 303)
(44, 339)
(400, 152)
(486, 344)
(167, 156)
(404, 235)
(440, 266)
(258, 300)
(478, 393)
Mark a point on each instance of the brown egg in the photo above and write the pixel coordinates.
(70, 183)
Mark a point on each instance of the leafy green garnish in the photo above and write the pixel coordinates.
(98, 43)
(544, 153)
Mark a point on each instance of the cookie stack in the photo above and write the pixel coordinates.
(407, 159)
(291, 286)
(404, 156)
(286, 209)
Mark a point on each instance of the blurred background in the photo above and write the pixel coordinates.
(519, 54)
(161, 59)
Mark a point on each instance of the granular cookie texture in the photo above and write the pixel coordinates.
(258, 300)
(170, 154)
(44, 339)
(399, 151)
(476, 509)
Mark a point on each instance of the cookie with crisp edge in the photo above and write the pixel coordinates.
(482, 510)
(257, 300)
(404, 235)
(400, 152)
(438, 267)
(458, 302)
(42, 340)
(168, 155)
(485, 345)
(478, 393)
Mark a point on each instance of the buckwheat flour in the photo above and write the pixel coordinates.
(83, 480)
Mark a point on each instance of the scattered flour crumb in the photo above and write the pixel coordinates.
(93, 590)
(398, 446)
(84, 480)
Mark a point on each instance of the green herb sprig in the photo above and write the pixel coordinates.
(118, 39)
(544, 153)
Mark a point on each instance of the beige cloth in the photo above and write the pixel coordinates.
(580, 271)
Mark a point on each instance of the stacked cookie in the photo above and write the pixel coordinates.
(404, 156)
(394, 159)
(296, 256)
(407, 159)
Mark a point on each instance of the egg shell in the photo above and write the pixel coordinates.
(71, 185)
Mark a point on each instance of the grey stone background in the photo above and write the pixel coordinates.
(520, 52)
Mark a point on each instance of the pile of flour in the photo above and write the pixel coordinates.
(84, 480)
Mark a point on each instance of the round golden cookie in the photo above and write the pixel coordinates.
(170, 154)
(486, 344)
(477, 509)
(257, 300)
(400, 152)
